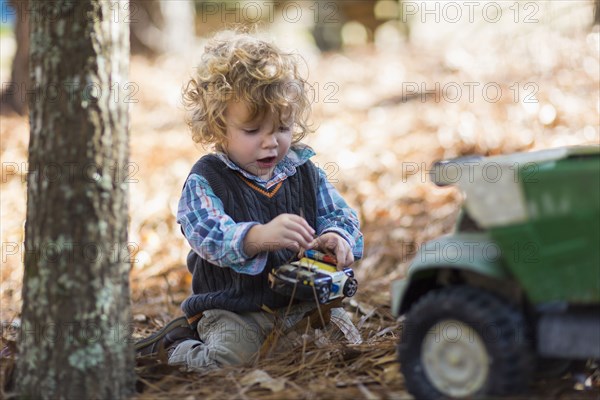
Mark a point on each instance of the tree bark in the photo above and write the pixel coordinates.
(75, 338)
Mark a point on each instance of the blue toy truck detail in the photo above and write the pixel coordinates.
(309, 279)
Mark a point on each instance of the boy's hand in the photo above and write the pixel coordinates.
(332, 243)
(286, 231)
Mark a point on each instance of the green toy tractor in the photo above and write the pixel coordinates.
(516, 287)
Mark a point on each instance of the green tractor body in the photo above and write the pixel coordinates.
(518, 281)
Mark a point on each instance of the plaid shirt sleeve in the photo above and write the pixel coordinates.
(334, 215)
(211, 233)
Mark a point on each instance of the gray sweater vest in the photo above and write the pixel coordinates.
(217, 287)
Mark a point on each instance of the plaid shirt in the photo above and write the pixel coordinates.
(217, 238)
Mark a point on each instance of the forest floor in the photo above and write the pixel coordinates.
(378, 135)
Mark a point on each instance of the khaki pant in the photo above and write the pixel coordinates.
(228, 338)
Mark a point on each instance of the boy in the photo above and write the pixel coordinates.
(250, 206)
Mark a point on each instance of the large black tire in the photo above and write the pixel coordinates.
(504, 347)
(548, 368)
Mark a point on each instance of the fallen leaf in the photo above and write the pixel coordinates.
(264, 380)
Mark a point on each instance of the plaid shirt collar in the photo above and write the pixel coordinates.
(296, 156)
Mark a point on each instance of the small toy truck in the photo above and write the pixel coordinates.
(516, 288)
(314, 276)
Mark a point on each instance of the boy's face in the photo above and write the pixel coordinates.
(255, 144)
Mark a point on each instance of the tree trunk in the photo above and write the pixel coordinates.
(75, 338)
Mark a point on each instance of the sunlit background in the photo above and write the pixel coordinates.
(396, 85)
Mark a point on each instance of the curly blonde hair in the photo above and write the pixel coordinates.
(244, 68)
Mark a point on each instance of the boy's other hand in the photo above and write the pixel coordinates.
(334, 244)
(286, 231)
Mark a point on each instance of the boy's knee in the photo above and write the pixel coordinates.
(230, 329)
(229, 338)
(226, 354)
